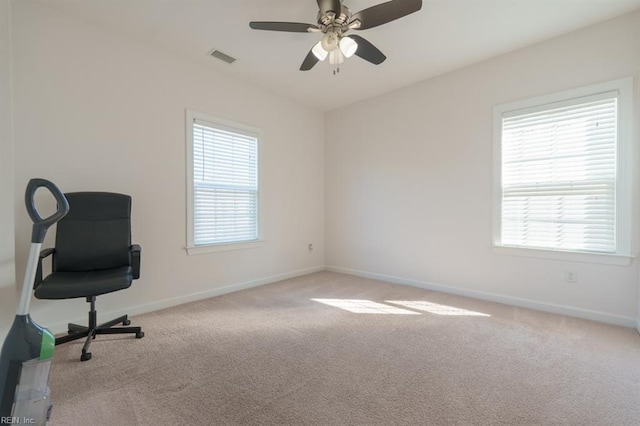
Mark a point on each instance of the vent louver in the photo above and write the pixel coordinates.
(222, 56)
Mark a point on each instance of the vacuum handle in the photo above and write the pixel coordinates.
(40, 224)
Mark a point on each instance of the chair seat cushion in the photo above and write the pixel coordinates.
(68, 285)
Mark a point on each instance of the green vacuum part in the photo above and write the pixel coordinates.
(47, 345)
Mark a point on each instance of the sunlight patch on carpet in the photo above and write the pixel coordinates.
(365, 307)
(435, 308)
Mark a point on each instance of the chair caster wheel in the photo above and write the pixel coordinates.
(140, 335)
(127, 322)
(85, 356)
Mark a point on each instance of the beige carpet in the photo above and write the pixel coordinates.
(273, 356)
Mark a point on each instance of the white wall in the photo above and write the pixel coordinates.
(7, 270)
(408, 194)
(409, 180)
(7, 275)
(95, 111)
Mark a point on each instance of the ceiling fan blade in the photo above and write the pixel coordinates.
(385, 12)
(309, 61)
(292, 27)
(329, 6)
(368, 51)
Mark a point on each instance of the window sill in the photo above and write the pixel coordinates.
(223, 247)
(568, 256)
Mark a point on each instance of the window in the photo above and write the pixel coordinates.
(562, 178)
(222, 165)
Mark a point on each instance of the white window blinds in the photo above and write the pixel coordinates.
(558, 175)
(225, 185)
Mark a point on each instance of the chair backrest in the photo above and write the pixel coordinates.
(95, 234)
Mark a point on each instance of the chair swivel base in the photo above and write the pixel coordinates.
(90, 332)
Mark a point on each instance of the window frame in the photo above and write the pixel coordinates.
(191, 116)
(624, 173)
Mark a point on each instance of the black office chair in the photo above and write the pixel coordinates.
(93, 255)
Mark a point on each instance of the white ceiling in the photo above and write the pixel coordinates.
(443, 36)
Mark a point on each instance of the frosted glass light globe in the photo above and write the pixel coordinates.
(348, 46)
(329, 41)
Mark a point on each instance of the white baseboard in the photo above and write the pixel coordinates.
(493, 297)
(61, 327)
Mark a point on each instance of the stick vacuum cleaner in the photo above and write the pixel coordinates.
(28, 349)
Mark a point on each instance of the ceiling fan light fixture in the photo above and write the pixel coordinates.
(348, 46)
(336, 57)
(319, 51)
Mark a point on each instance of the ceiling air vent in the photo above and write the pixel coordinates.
(222, 56)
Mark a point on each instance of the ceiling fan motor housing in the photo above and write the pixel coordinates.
(331, 19)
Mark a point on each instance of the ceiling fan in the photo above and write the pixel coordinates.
(334, 21)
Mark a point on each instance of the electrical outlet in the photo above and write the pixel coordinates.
(310, 247)
(570, 277)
